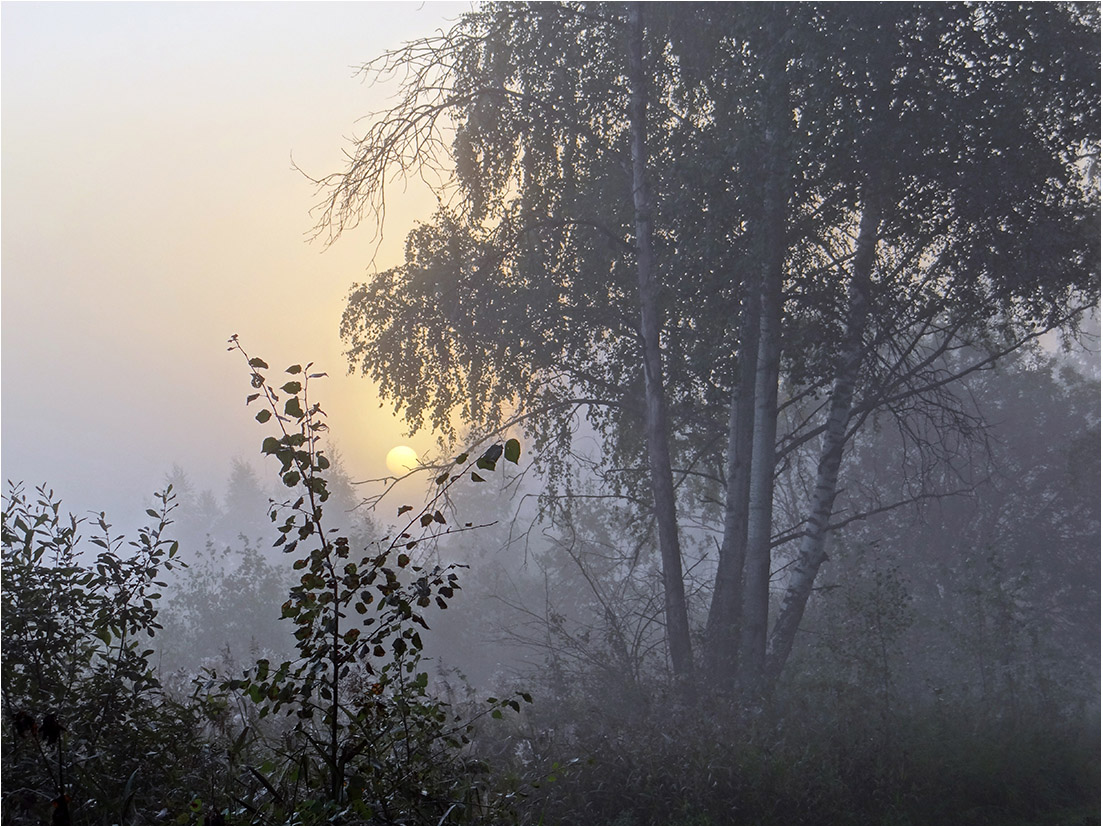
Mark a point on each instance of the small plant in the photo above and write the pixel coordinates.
(88, 735)
(368, 740)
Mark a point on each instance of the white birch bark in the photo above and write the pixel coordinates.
(722, 632)
(756, 568)
(812, 552)
(658, 441)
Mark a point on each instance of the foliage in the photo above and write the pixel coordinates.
(369, 741)
(962, 139)
(225, 605)
(88, 734)
(807, 765)
(691, 770)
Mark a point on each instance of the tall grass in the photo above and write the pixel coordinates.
(932, 766)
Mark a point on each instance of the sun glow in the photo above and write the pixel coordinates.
(402, 459)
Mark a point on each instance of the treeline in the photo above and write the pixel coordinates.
(806, 525)
(949, 670)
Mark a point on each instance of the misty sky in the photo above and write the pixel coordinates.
(150, 210)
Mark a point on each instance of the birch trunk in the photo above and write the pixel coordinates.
(722, 632)
(812, 548)
(658, 443)
(756, 574)
(756, 583)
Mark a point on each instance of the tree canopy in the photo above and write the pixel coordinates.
(850, 208)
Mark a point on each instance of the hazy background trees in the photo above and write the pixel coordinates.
(787, 305)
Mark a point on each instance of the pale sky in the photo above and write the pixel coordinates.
(150, 210)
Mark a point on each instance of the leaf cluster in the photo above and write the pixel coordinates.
(89, 735)
(371, 739)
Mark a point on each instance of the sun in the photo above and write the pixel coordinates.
(402, 459)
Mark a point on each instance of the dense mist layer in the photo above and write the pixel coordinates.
(759, 346)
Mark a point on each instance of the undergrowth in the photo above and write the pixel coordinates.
(933, 766)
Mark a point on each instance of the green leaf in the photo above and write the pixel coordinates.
(291, 479)
(250, 398)
(291, 387)
(403, 509)
(257, 362)
(475, 478)
(270, 445)
(294, 369)
(293, 408)
(462, 458)
(513, 450)
(264, 416)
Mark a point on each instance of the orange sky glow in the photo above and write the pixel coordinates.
(150, 210)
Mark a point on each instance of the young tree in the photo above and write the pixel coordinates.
(370, 741)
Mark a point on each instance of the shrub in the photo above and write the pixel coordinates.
(88, 734)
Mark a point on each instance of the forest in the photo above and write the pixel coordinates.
(760, 343)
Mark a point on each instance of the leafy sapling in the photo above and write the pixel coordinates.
(362, 709)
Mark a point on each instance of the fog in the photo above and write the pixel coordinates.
(749, 355)
(150, 210)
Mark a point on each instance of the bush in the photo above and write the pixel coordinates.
(88, 733)
(714, 765)
(91, 736)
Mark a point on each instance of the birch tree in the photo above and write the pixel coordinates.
(738, 231)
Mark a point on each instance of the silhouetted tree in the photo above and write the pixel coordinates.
(840, 199)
